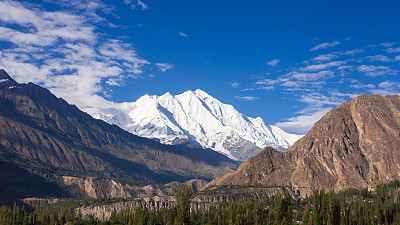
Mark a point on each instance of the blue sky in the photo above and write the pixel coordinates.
(288, 62)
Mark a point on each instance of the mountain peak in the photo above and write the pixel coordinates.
(202, 119)
(6, 79)
(200, 92)
(188, 92)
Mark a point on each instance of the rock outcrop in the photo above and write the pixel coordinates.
(108, 188)
(195, 184)
(356, 144)
(37, 202)
(98, 188)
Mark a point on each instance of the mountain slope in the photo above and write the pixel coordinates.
(356, 144)
(42, 132)
(198, 117)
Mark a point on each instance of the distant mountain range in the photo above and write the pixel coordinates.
(198, 118)
(356, 144)
(42, 136)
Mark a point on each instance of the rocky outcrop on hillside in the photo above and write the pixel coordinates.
(195, 184)
(98, 188)
(108, 188)
(356, 144)
(37, 202)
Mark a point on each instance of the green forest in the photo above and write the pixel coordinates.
(352, 207)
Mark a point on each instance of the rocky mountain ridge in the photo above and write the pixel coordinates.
(44, 134)
(356, 144)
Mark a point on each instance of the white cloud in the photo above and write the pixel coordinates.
(325, 45)
(303, 123)
(397, 58)
(312, 76)
(317, 106)
(273, 62)
(43, 28)
(183, 34)
(88, 6)
(246, 98)
(136, 4)
(352, 52)
(142, 4)
(266, 88)
(350, 95)
(317, 100)
(393, 50)
(362, 86)
(234, 84)
(62, 51)
(376, 70)
(296, 79)
(325, 57)
(380, 58)
(387, 88)
(389, 84)
(164, 66)
(323, 66)
(267, 81)
(388, 44)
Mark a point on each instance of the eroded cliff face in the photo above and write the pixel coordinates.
(102, 212)
(356, 144)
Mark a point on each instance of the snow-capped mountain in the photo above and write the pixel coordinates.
(198, 117)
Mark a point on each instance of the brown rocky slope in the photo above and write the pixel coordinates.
(356, 144)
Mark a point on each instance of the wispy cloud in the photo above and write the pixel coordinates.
(393, 50)
(312, 76)
(273, 62)
(317, 100)
(246, 98)
(63, 51)
(234, 84)
(183, 34)
(381, 58)
(389, 84)
(388, 44)
(163, 67)
(352, 52)
(325, 45)
(317, 106)
(373, 71)
(136, 4)
(387, 88)
(362, 86)
(323, 66)
(302, 123)
(327, 80)
(325, 57)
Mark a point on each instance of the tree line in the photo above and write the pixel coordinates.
(350, 207)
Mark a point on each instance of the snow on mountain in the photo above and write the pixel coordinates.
(198, 117)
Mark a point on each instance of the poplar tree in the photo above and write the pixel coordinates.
(183, 197)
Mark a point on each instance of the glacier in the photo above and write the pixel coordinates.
(197, 117)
